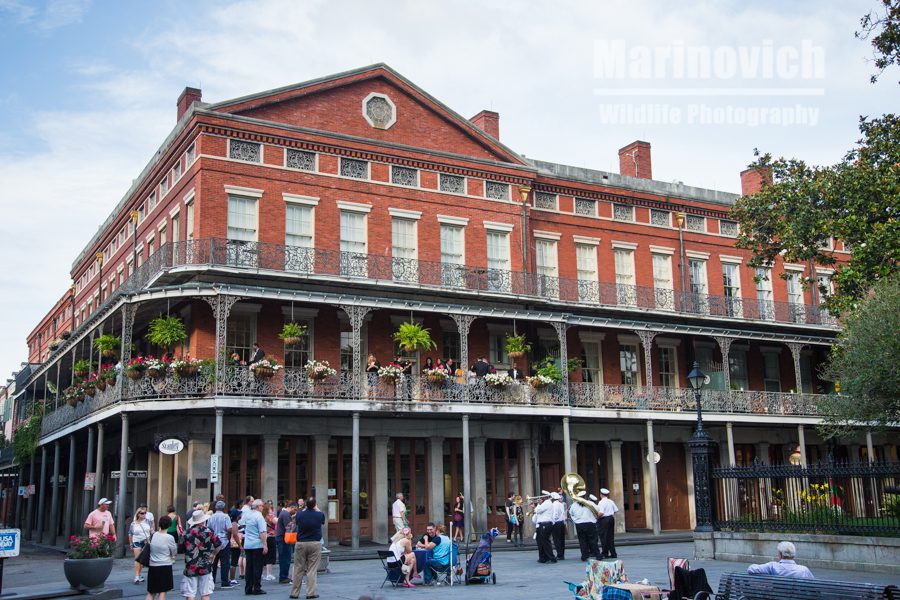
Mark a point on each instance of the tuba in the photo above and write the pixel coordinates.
(572, 483)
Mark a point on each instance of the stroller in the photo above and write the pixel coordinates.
(478, 566)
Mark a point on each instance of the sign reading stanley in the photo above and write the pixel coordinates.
(171, 445)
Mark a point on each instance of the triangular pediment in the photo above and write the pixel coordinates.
(374, 103)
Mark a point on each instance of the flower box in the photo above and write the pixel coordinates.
(81, 372)
(188, 370)
(263, 372)
(134, 374)
(156, 373)
(101, 385)
(437, 379)
(90, 390)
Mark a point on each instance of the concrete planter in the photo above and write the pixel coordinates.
(848, 552)
(87, 573)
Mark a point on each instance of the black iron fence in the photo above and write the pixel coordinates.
(844, 498)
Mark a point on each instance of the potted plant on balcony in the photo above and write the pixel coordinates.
(135, 368)
(65, 335)
(82, 367)
(412, 337)
(391, 372)
(186, 366)
(517, 346)
(158, 367)
(436, 377)
(548, 373)
(265, 368)
(108, 345)
(69, 397)
(292, 333)
(89, 385)
(317, 370)
(106, 376)
(54, 344)
(497, 380)
(166, 332)
(89, 562)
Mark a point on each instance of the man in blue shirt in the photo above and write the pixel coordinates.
(784, 565)
(254, 549)
(220, 525)
(308, 549)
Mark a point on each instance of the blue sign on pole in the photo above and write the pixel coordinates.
(9, 542)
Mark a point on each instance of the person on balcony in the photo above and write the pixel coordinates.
(257, 355)
(515, 372)
(481, 367)
(450, 366)
(783, 565)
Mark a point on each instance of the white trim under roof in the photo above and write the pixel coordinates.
(402, 213)
(495, 226)
(546, 235)
(298, 199)
(243, 191)
(583, 239)
(354, 206)
(448, 220)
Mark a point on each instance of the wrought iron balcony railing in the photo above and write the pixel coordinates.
(312, 262)
(293, 383)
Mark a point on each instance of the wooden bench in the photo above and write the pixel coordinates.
(741, 586)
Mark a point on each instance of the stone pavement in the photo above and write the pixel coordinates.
(519, 576)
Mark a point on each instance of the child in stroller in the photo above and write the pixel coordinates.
(478, 566)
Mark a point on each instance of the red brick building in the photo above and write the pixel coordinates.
(355, 202)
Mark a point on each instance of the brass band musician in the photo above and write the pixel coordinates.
(585, 521)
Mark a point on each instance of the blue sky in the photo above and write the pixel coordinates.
(88, 90)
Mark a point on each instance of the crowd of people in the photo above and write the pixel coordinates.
(594, 522)
(246, 540)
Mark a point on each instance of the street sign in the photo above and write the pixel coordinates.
(89, 480)
(214, 468)
(9, 542)
(129, 474)
(22, 489)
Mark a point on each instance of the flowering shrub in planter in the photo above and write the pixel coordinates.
(436, 376)
(107, 376)
(89, 384)
(157, 367)
(82, 367)
(82, 547)
(316, 369)
(136, 367)
(265, 368)
(186, 366)
(497, 380)
(89, 562)
(539, 382)
(391, 372)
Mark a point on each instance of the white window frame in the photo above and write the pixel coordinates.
(764, 294)
(588, 274)
(664, 294)
(546, 262)
(626, 273)
(734, 305)
(453, 273)
(498, 278)
(673, 348)
(400, 265)
(354, 262)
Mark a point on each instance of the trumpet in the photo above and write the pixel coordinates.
(544, 495)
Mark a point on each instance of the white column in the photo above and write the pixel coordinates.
(217, 449)
(567, 448)
(270, 466)
(436, 479)
(732, 455)
(86, 500)
(617, 482)
(479, 489)
(320, 476)
(527, 483)
(98, 478)
(70, 491)
(467, 476)
(381, 500)
(654, 487)
(123, 489)
(801, 438)
(354, 482)
(870, 448)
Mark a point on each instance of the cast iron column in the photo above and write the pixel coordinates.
(702, 447)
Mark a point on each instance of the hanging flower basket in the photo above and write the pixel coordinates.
(90, 390)
(134, 374)
(109, 353)
(318, 370)
(539, 382)
(390, 373)
(291, 341)
(498, 381)
(156, 373)
(436, 377)
(101, 385)
(79, 397)
(515, 355)
(72, 401)
(80, 372)
(437, 380)
(262, 372)
(187, 370)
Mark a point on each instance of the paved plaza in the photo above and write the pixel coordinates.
(518, 575)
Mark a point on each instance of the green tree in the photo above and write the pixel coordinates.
(801, 207)
(864, 363)
(884, 29)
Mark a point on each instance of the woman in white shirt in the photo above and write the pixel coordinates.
(138, 534)
(163, 551)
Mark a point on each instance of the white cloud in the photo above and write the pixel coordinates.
(54, 15)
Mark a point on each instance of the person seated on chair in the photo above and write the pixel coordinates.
(440, 553)
(401, 546)
(783, 565)
(430, 539)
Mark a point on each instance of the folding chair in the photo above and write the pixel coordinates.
(692, 585)
(392, 570)
(446, 574)
(672, 562)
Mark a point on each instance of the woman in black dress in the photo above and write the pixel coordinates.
(163, 551)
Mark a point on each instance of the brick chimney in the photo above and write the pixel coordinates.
(752, 179)
(187, 99)
(489, 122)
(634, 160)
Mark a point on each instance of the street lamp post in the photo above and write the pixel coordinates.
(702, 448)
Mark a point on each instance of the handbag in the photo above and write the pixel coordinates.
(290, 537)
(143, 556)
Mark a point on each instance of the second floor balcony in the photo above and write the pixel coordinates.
(410, 393)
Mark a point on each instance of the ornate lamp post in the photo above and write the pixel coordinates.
(702, 447)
